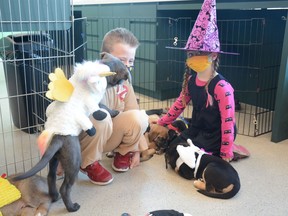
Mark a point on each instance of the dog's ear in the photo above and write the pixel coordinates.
(171, 134)
(155, 131)
(148, 129)
(105, 55)
(180, 125)
(102, 55)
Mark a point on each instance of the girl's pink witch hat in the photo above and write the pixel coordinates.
(204, 35)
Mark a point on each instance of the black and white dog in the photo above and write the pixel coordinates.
(213, 176)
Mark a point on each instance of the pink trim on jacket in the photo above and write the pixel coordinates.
(223, 102)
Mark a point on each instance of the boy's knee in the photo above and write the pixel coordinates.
(141, 120)
(102, 125)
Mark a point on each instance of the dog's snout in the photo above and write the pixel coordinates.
(161, 142)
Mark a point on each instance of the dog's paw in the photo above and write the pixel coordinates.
(55, 197)
(160, 152)
(147, 154)
(199, 184)
(41, 212)
(74, 207)
(110, 154)
(145, 157)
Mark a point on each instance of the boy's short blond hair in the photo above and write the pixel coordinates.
(118, 35)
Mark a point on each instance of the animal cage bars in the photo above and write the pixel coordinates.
(159, 70)
(35, 38)
(157, 78)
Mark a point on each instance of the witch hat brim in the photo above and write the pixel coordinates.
(185, 49)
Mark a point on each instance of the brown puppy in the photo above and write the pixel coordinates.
(34, 200)
(155, 137)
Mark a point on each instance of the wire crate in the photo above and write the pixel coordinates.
(35, 38)
(54, 35)
(157, 78)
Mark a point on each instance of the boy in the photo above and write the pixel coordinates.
(124, 133)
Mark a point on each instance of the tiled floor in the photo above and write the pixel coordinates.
(151, 186)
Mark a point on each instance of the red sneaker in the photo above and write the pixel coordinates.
(122, 162)
(97, 174)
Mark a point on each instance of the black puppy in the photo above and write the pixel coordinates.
(122, 74)
(214, 177)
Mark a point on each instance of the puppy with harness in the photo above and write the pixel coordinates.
(214, 176)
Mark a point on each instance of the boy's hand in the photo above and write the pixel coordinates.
(135, 161)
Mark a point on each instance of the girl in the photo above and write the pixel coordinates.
(212, 125)
(213, 118)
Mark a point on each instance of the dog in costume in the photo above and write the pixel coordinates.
(67, 116)
(214, 177)
(8, 194)
(26, 197)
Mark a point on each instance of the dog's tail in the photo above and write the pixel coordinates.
(44, 141)
(55, 145)
(227, 195)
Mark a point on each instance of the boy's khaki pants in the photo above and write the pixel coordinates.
(123, 133)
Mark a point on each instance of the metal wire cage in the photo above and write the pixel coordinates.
(158, 73)
(35, 38)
